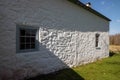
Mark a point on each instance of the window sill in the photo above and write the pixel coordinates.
(27, 51)
(98, 48)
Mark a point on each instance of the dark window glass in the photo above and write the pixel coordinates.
(33, 32)
(22, 32)
(22, 46)
(22, 39)
(28, 46)
(27, 32)
(97, 39)
(32, 45)
(27, 39)
(33, 39)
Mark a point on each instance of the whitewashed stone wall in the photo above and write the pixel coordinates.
(66, 37)
(74, 47)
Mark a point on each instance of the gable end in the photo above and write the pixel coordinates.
(89, 9)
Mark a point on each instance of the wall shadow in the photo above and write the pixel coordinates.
(65, 74)
(57, 69)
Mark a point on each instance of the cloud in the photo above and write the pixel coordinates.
(118, 20)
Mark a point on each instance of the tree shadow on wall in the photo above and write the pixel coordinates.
(58, 69)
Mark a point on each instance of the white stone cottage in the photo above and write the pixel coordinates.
(43, 36)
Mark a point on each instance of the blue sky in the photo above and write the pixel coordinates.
(109, 8)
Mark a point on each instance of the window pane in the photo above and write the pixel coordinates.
(27, 46)
(27, 32)
(32, 46)
(28, 40)
(22, 46)
(22, 32)
(32, 39)
(22, 39)
(33, 32)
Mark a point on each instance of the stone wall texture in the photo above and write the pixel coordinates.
(66, 37)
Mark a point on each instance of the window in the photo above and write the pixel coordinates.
(27, 39)
(97, 39)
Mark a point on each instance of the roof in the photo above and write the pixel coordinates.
(89, 9)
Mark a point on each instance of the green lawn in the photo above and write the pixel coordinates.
(105, 69)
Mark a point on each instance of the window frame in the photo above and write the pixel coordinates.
(18, 27)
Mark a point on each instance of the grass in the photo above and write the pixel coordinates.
(105, 69)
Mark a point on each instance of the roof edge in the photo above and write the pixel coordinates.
(89, 9)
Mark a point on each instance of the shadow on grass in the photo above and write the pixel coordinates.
(65, 74)
(111, 53)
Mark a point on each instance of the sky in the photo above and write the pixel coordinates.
(109, 8)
